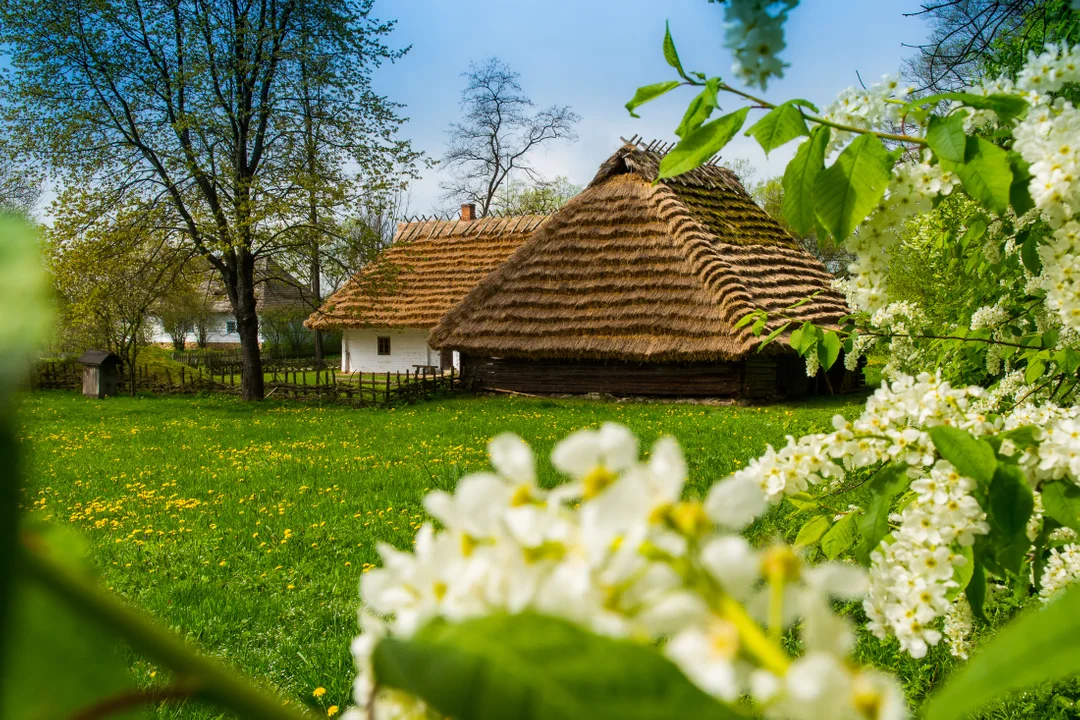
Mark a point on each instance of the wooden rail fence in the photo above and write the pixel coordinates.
(289, 380)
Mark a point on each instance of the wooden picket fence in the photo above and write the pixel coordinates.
(298, 380)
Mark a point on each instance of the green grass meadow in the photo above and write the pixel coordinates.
(246, 527)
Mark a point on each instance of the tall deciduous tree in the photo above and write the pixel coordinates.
(970, 37)
(540, 198)
(207, 107)
(497, 134)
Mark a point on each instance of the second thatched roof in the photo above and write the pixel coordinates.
(641, 271)
(429, 267)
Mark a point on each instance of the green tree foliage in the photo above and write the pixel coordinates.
(769, 194)
(235, 118)
(969, 38)
(110, 277)
(538, 198)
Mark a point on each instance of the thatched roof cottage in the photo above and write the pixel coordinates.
(635, 287)
(386, 311)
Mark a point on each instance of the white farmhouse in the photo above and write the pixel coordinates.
(276, 291)
(386, 311)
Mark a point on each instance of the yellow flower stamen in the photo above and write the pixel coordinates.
(597, 480)
(522, 496)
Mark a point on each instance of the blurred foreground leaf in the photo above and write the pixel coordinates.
(542, 668)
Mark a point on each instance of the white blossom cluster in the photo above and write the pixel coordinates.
(912, 576)
(901, 321)
(891, 428)
(871, 108)
(616, 550)
(754, 32)
(1062, 569)
(1047, 138)
(989, 317)
(959, 623)
(911, 191)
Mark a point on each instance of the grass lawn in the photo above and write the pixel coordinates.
(247, 527)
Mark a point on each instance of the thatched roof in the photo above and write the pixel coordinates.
(428, 269)
(275, 288)
(642, 271)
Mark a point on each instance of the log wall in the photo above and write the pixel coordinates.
(615, 378)
(758, 377)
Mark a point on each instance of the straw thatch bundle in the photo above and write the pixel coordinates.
(428, 269)
(640, 271)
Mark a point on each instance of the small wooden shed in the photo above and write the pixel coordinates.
(100, 373)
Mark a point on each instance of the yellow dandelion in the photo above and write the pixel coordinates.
(332, 711)
(319, 692)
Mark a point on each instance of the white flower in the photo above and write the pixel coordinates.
(707, 656)
(1062, 569)
(595, 458)
(736, 501)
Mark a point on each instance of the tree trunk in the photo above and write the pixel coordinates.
(242, 298)
(316, 294)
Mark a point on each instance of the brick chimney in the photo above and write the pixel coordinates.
(468, 212)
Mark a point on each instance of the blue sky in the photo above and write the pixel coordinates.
(593, 54)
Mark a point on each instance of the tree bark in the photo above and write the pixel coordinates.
(242, 299)
(316, 294)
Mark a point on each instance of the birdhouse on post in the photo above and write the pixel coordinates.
(100, 370)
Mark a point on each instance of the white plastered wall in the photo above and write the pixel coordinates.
(408, 347)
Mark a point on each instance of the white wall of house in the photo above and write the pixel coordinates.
(408, 347)
(222, 330)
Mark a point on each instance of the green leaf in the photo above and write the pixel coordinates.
(972, 458)
(976, 590)
(985, 173)
(773, 335)
(780, 125)
(670, 54)
(696, 148)
(828, 349)
(1011, 502)
(1019, 192)
(812, 531)
(1035, 369)
(946, 138)
(846, 192)
(58, 663)
(975, 230)
(1061, 501)
(886, 484)
(800, 178)
(700, 109)
(747, 319)
(804, 338)
(1033, 649)
(962, 574)
(1007, 107)
(650, 92)
(536, 667)
(803, 502)
(1029, 253)
(795, 339)
(1024, 437)
(841, 536)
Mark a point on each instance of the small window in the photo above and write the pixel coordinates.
(230, 327)
(384, 346)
